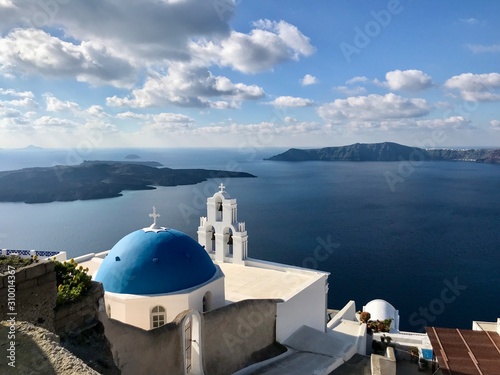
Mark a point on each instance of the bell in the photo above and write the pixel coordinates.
(220, 206)
(230, 240)
(213, 235)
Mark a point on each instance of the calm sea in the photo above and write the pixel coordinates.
(430, 247)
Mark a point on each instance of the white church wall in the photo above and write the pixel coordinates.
(308, 307)
(216, 297)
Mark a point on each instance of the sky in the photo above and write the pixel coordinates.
(249, 73)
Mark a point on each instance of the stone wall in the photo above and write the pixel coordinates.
(238, 335)
(35, 296)
(136, 351)
(233, 337)
(73, 318)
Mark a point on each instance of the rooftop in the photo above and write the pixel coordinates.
(278, 282)
(464, 352)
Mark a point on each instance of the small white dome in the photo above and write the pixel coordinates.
(380, 309)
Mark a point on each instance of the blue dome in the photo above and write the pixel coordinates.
(149, 262)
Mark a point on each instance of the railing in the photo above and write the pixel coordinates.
(60, 255)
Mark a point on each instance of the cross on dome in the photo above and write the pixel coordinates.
(154, 215)
(222, 187)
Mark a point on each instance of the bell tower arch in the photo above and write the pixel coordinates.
(220, 232)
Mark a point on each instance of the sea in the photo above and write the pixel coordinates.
(424, 236)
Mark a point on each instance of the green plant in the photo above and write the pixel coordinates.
(380, 326)
(72, 281)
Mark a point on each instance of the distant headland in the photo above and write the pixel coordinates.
(96, 180)
(387, 151)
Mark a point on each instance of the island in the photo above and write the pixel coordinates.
(388, 151)
(132, 156)
(96, 180)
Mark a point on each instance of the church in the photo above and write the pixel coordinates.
(158, 276)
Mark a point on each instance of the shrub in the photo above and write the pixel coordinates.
(364, 317)
(72, 281)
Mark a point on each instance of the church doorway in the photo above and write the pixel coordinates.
(193, 364)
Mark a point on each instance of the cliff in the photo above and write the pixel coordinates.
(387, 151)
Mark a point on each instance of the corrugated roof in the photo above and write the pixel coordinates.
(466, 352)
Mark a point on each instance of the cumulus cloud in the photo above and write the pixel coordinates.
(476, 87)
(187, 86)
(308, 80)
(407, 80)
(15, 93)
(146, 29)
(480, 48)
(54, 122)
(35, 52)
(269, 44)
(290, 101)
(374, 107)
(159, 122)
(55, 105)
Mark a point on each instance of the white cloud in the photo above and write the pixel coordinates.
(146, 29)
(290, 101)
(476, 87)
(35, 52)
(269, 44)
(480, 48)
(187, 86)
(408, 80)
(357, 79)
(160, 122)
(54, 122)
(351, 91)
(455, 122)
(97, 111)
(24, 102)
(55, 105)
(9, 112)
(19, 94)
(373, 107)
(308, 80)
(495, 124)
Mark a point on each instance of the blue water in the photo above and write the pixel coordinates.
(438, 228)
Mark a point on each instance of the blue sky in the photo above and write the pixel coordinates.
(224, 73)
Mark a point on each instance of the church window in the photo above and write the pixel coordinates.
(207, 301)
(158, 315)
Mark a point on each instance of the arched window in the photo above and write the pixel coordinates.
(207, 301)
(158, 316)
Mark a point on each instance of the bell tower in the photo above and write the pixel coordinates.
(223, 237)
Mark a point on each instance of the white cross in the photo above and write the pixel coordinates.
(154, 215)
(221, 187)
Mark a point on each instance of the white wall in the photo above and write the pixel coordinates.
(136, 310)
(308, 307)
